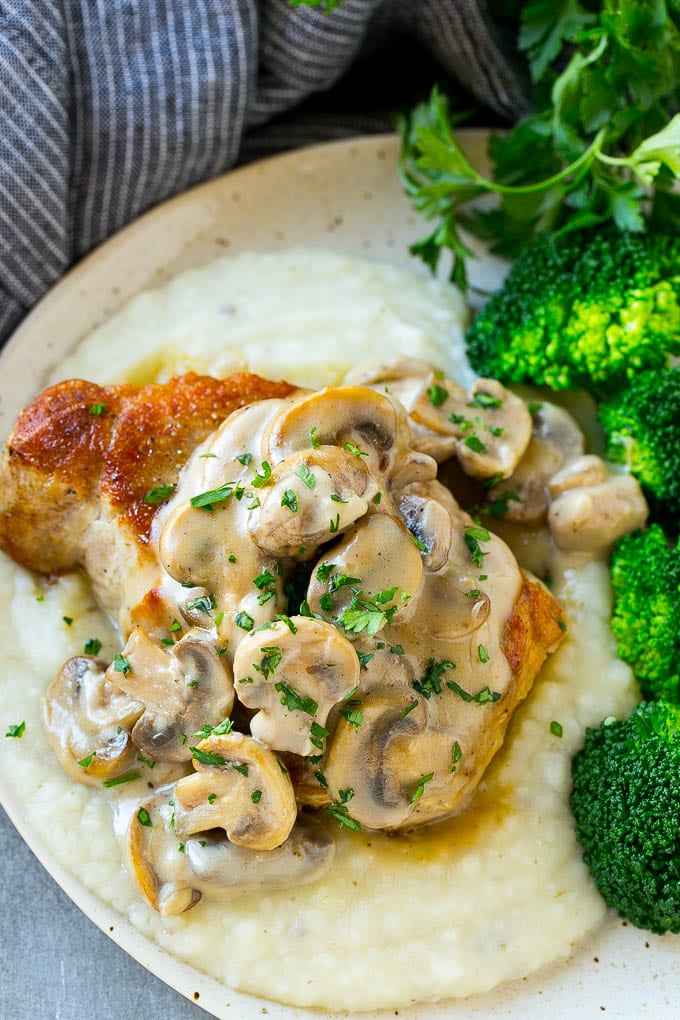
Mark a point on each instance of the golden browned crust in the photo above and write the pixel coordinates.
(62, 454)
(535, 628)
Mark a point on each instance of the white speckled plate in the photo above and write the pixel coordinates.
(345, 197)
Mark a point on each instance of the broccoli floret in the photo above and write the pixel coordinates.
(589, 309)
(642, 428)
(646, 620)
(626, 802)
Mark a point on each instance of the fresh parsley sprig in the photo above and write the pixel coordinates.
(603, 142)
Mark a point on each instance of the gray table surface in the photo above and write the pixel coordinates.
(55, 964)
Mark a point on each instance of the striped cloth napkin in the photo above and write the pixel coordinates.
(111, 106)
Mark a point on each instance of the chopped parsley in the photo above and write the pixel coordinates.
(437, 395)
(303, 472)
(473, 593)
(212, 797)
(317, 735)
(368, 614)
(483, 654)
(244, 620)
(355, 450)
(86, 762)
(159, 495)
(483, 697)
(312, 438)
(288, 622)
(262, 478)
(119, 780)
(206, 500)
(203, 603)
(244, 458)
(290, 500)
(97, 409)
(485, 400)
(340, 811)
(556, 728)
(207, 757)
(264, 579)
(473, 536)
(431, 682)
(499, 506)
(351, 713)
(121, 664)
(271, 657)
(334, 524)
(68, 620)
(474, 443)
(364, 658)
(243, 769)
(256, 796)
(294, 702)
(144, 818)
(420, 787)
(324, 571)
(409, 708)
(16, 730)
(456, 755)
(92, 646)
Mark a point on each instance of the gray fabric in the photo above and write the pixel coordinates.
(110, 106)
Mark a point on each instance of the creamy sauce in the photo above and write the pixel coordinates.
(451, 910)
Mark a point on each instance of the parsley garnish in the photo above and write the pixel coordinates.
(271, 657)
(368, 615)
(16, 730)
(420, 787)
(206, 500)
(355, 450)
(317, 735)
(351, 713)
(204, 603)
(244, 620)
(409, 708)
(144, 818)
(437, 394)
(256, 796)
(431, 682)
(207, 757)
(456, 755)
(303, 472)
(121, 664)
(261, 479)
(485, 400)
(288, 622)
(483, 697)
(119, 780)
(290, 500)
(294, 702)
(499, 507)
(483, 654)
(473, 536)
(86, 762)
(97, 409)
(556, 728)
(324, 571)
(474, 443)
(244, 458)
(334, 525)
(340, 811)
(159, 495)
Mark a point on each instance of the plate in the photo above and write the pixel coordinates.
(346, 197)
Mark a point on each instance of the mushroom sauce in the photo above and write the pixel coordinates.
(418, 667)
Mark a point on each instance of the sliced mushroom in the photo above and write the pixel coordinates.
(175, 875)
(88, 721)
(375, 557)
(590, 518)
(182, 688)
(488, 428)
(224, 868)
(293, 674)
(312, 495)
(586, 470)
(373, 769)
(555, 441)
(428, 521)
(239, 786)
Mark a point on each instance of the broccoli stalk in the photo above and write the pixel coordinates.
(626, 802)
(583, 310)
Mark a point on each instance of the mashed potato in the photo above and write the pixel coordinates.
(452, 910)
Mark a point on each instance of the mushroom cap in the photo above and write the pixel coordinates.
(87, 719)
(592, 517)
(378, 554)
(382, 760)
(556, 440)
(294, 675)
(174, 876)
(181, 688)
(224, 868)
(312, 495)
(253, 800)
